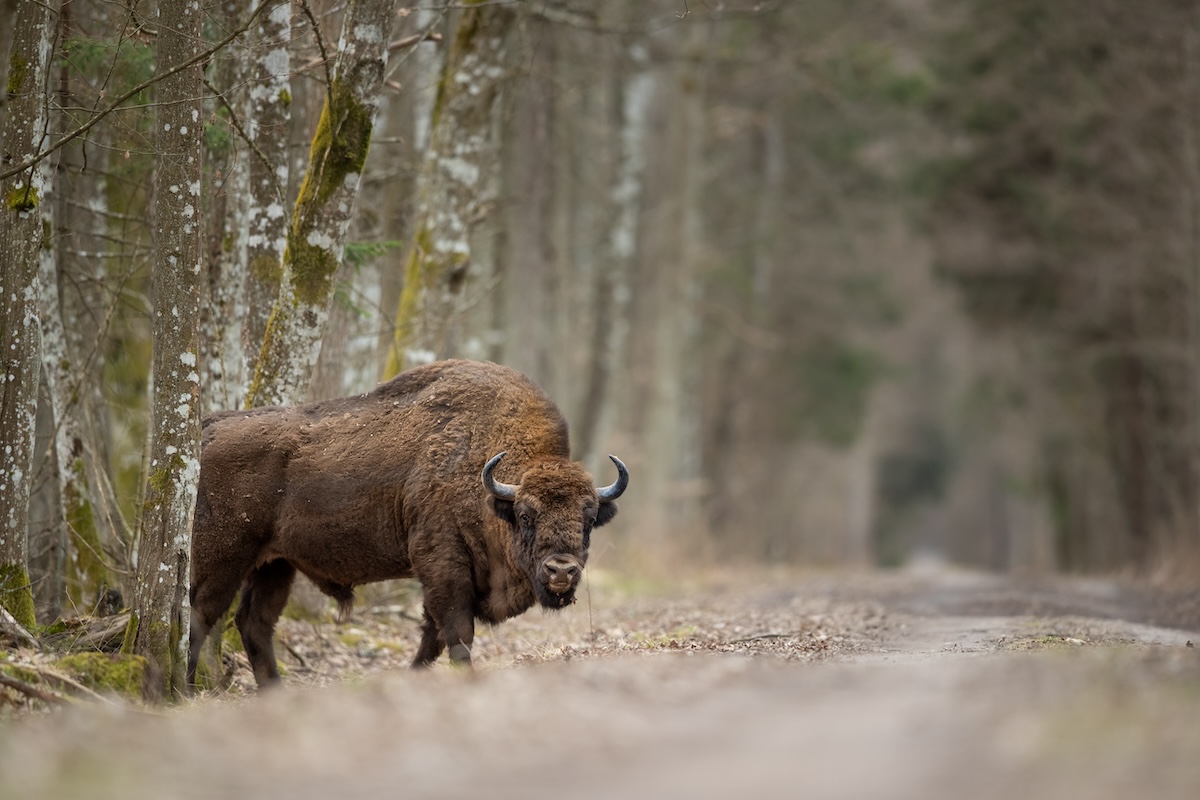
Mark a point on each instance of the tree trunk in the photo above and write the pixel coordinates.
(159, 625)
(83, 569)
(452, 189)
(226, 186)
(321, 217)
(268, 117)
(21, 236)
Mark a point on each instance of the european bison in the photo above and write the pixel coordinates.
(404, 481)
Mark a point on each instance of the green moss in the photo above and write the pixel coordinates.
(417, 275)
(339, 146)
(107, 672)
(23, 198)
(18, 69)
(159, 482)
(54, 628)
(265, 372)
(20, 673)
(230, 639)
(16, 594)
(130, 634)
(352, 638)
(284, 97)
(313, 268)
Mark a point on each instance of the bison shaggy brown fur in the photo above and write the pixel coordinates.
(404, 481)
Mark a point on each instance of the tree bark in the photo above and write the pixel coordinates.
(85, 570)
(226, 187)
(453, 186)
(321, 217)
(268, 117)
(159, 626)
(21, 237)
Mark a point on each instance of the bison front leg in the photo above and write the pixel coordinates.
(449, 623)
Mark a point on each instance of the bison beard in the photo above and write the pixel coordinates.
(404, 481)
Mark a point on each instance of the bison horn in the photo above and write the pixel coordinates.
(617, 487)
(504, 491)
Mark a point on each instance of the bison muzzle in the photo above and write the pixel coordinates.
(407, 480)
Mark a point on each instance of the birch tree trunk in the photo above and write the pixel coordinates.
(453, 186)
(24, 134)
(268, 117)
(322, 213)
(226, 187)
(158, 628)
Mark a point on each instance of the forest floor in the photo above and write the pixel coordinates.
(918, 684)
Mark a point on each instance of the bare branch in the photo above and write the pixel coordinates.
(320, 42)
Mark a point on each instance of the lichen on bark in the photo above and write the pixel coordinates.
(18, 68)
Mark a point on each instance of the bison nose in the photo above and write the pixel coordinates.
(561, 573)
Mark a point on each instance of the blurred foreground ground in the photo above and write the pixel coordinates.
(900, 685)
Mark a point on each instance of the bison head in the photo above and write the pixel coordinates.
(552, 512)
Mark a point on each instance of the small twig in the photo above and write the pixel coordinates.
(258, 153)
(762, 636)
(320, 43)
(416, 38)
(299, 658)
(30, 690)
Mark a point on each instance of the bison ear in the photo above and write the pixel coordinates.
(605, 513)
(502, 509)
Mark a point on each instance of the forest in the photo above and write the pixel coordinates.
(846, 283)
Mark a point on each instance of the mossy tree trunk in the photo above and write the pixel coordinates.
(159, 626)
(453, 189)
(21, 236)
(321, 216)
(268, 116)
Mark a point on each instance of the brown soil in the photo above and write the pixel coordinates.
(921, 685)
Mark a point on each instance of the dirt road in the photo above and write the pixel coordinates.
(943, 684)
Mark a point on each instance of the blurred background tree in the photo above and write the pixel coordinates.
(845, 282)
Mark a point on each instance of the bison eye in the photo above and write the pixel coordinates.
(525, 518)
